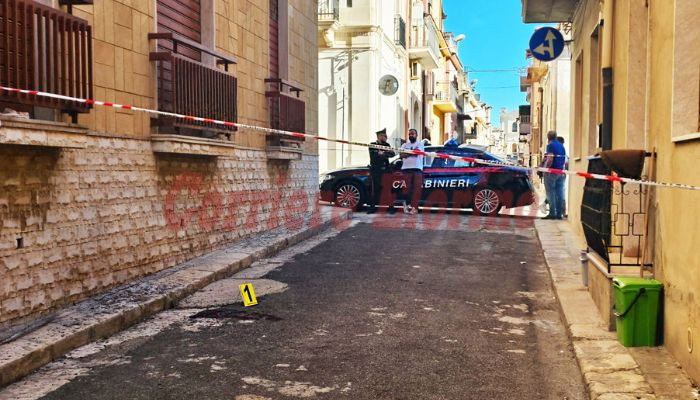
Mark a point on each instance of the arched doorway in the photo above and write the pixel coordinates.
(416, 122)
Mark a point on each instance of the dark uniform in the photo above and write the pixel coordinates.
(378, 166)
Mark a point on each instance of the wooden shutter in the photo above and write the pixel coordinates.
(274, 39)
(182, 17)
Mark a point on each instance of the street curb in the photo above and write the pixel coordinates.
(118, 309)
(608, 369)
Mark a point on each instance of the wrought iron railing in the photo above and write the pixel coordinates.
(400, 31)
(328, 10)
(287, 112)
(612, 217)
(44, 49)
(189, 87)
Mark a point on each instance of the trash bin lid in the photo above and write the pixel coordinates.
(631, 283)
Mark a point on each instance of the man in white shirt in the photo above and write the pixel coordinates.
(412, 170)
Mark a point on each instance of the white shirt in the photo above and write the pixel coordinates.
(411, 161)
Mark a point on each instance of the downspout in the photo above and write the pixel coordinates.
(350, 95)
(607, 71)
(540, 123)
(342, 151)
(424, 104)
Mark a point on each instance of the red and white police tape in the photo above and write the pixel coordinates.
(610, 178)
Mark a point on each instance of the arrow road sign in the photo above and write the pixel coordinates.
(546, 44)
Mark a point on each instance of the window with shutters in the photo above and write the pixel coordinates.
(188, 82)
(274, 39)
(686, 73)
(287, 108)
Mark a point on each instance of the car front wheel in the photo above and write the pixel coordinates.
(348, 195)
(487, 201)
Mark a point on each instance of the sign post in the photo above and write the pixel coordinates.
(546, 44)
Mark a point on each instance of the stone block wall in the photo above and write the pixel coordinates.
(92, 218)
(76, 220)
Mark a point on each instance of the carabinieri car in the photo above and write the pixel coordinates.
(484, 188)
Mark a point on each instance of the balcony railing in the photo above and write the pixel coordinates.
(612, 217)
(287, 113)
(400, 31)
(44, 49)
(328, 10)
(425, 43)
(446, 91)
(192, 88)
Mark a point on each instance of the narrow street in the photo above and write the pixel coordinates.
(360, 314)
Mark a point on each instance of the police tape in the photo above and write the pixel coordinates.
(609, 178)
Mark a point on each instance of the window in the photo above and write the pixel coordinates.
(595, 90)
(515, 127)
(463, 164)
(441, 162)
(686, 72)
(274, 39)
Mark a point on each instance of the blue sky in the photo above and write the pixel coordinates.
(496, 39)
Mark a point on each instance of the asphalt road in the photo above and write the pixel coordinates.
(365, 314)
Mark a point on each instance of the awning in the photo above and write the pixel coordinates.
(464, 117)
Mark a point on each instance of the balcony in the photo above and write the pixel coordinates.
(445, 97)
(328, 10)
(328, 21)
(425, 42)
(190, 87)
(400, 31)
(525, 126)
(44, 49)
(548, 10)
(524, 84)
(287, 113)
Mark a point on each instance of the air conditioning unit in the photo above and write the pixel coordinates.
(416, 70)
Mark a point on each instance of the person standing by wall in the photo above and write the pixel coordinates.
(413, 168)
(555, 157)
(562, 193)
(378, 166)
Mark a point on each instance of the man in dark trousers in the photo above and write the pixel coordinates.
(378, 166)
(555, 157)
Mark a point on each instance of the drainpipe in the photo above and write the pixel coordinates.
(424, 105)
(607, 65)
(351, 98)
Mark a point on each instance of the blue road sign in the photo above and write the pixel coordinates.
(546, 44)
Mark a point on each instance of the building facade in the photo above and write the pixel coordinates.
(509, 137)
(635, 84)
(93, 197)
(548, 87)
(362, 43)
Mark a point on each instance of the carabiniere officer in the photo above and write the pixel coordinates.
(378, 166)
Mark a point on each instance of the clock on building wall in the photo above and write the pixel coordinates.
(388, 85)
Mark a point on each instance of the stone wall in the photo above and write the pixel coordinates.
(84, 209)
(93, 218)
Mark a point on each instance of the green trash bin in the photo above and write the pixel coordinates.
(636, 310)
